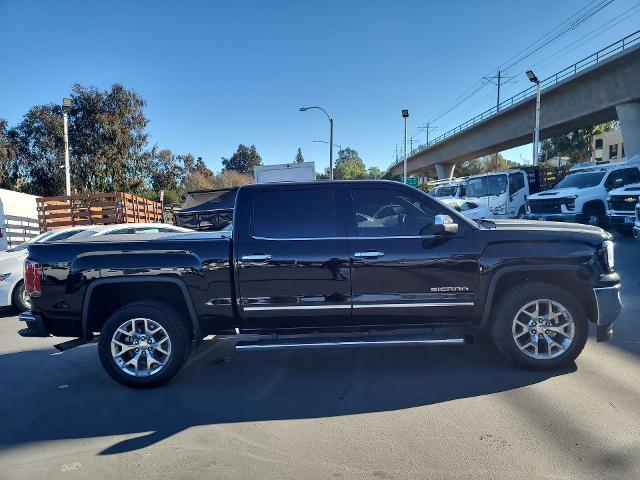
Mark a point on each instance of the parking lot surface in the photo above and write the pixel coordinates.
(420, 412)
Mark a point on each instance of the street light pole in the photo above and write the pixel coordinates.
(536, 136)
(66, 104)
(405, 115)
(304, 109)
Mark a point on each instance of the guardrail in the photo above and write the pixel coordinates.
(600, 55)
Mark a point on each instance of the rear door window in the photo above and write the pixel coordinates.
(294, 213)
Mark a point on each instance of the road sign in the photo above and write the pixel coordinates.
(413, 181)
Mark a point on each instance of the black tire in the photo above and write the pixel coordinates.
(626, 232)
(593, 216)
(17, 298)
(175, 327)
(516, 298)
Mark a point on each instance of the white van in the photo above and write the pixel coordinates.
(18, 218)
(503, 193)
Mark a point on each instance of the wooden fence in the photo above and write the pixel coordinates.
(96, 209)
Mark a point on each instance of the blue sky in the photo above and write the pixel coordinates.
(216, 74)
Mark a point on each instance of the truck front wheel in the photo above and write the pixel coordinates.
(539, 326)
(144, 344)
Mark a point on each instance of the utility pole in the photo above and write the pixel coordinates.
(498, 100)
(66, 105)
(498, 80)
(536, 133)
(405, 115)
(428, 129)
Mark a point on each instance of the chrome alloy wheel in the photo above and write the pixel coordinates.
(26, 299)
(140, 347)
(543, 329)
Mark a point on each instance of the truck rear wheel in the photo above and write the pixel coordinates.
(144, 344)
(20, 299)
(539, 326)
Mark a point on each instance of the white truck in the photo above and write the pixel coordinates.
(18, 218)
(581, 197)
(621, 208)
(503, 193)
(286, 172)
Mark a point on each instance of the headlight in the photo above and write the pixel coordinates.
(607, 254)
(499, 209)
(571, 202)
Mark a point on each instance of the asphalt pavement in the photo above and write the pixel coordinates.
(413, 412)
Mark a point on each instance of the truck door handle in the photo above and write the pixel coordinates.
(256, 258)
(369, 254)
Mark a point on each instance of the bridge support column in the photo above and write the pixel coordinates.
(445, 170)
(629, 116)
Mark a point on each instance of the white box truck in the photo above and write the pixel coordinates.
(286, 172)
(18, 218)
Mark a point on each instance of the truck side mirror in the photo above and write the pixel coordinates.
(444, 225)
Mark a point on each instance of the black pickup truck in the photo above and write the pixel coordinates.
(327, 264)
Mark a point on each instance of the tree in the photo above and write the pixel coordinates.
(349, 165)
(8, 166)
(243, 160)
(495, 163)
(299, 157)
(108, 139)
(577, 144)
(231, 179)
(374, 173)
(39, 148)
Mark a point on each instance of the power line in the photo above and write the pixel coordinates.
(565, 27)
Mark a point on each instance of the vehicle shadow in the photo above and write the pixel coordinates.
(82, 402)
(8, 312)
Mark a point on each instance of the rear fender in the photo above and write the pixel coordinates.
(193, 317)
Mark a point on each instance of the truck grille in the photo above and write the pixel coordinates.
(623, 203)
(546, 206)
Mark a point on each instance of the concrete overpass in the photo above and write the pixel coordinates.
(602, 87)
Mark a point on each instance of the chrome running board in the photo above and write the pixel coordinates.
(318, 343)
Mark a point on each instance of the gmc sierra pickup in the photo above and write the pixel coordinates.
(327, 264)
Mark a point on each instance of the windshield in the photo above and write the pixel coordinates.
(444, 191)
(489, 185)
(581, 180)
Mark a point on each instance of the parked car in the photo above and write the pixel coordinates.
(12, 291)
(621, 208)
(582, 196)
(467, 208)
(327, 264)
(128, 229)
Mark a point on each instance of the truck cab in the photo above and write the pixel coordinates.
(453, 188)
(581, 197)
(503, 193)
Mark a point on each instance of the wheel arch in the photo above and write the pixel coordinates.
(595, 203)
(573, 279)
(133, 287)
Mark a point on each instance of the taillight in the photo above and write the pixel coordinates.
(32, 272)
